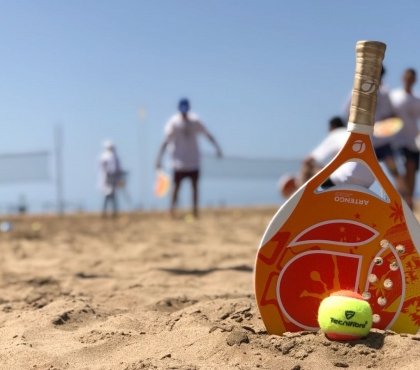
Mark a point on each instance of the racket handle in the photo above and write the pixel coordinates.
(369, 56)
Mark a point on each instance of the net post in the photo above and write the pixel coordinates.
(58, 143)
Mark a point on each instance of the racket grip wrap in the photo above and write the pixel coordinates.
(369, 57)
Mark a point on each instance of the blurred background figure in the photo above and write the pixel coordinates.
(181, 136)
(407, 107)
(22, 206)
(326, 150)
(384, 145)
(111, 176)
(349, 173)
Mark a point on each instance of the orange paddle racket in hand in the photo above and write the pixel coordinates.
(162, 184)
(344, 237)
(387, 127)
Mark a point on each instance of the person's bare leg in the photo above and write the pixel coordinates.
(410, 180)
(114, 204)
(174, 200)
(400, 181)
(105, 205)
(194, 184)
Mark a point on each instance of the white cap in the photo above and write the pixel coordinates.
(108, 144)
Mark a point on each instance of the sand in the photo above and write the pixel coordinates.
(146, 292)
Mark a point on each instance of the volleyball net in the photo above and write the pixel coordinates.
(248, 168)
(25, 167)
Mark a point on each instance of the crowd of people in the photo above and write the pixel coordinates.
(184, 127)
(400, 147)
(181, 139)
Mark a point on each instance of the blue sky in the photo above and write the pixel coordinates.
(264, 75)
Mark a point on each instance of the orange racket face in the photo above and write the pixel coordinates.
(388, 127)
(162, 184)
(346, 237)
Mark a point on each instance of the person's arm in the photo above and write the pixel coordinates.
(215, 144)
(417, 109)
(169, 135)
(309, 168)
(210, 138)
(161, 152)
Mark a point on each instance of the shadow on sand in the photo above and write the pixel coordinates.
(202, 272)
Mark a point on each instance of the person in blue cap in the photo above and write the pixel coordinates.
(181, 138)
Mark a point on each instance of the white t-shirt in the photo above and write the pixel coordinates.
(330, 146)
(407, 107)
(109, 162)
(182, 138)
(109, 166)
(384, 109)
(349, 172)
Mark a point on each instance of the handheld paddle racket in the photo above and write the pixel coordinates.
(162, 184)
(345, 237)
(387, 127)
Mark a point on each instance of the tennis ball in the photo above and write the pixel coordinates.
(189, 218)
(36, 226)
(345, 315)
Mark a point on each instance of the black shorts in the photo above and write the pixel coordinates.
(410, 155)
(384, 151)
(327, 184)
(178, 175)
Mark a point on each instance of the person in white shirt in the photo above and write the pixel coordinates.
(384, 145)
(348, 173)
(181, 137)
(111, 175)
(407, 107)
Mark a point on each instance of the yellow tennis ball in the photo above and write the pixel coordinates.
(345, 315)
(36, 226)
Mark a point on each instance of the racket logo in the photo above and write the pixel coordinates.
(349, 314)
(348, 198)
(359, 146)
(368, 87)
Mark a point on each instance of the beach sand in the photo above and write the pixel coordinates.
(147, 292)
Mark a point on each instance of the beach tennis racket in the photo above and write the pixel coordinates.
(387, 127)
(344, 237)
(162, 184)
